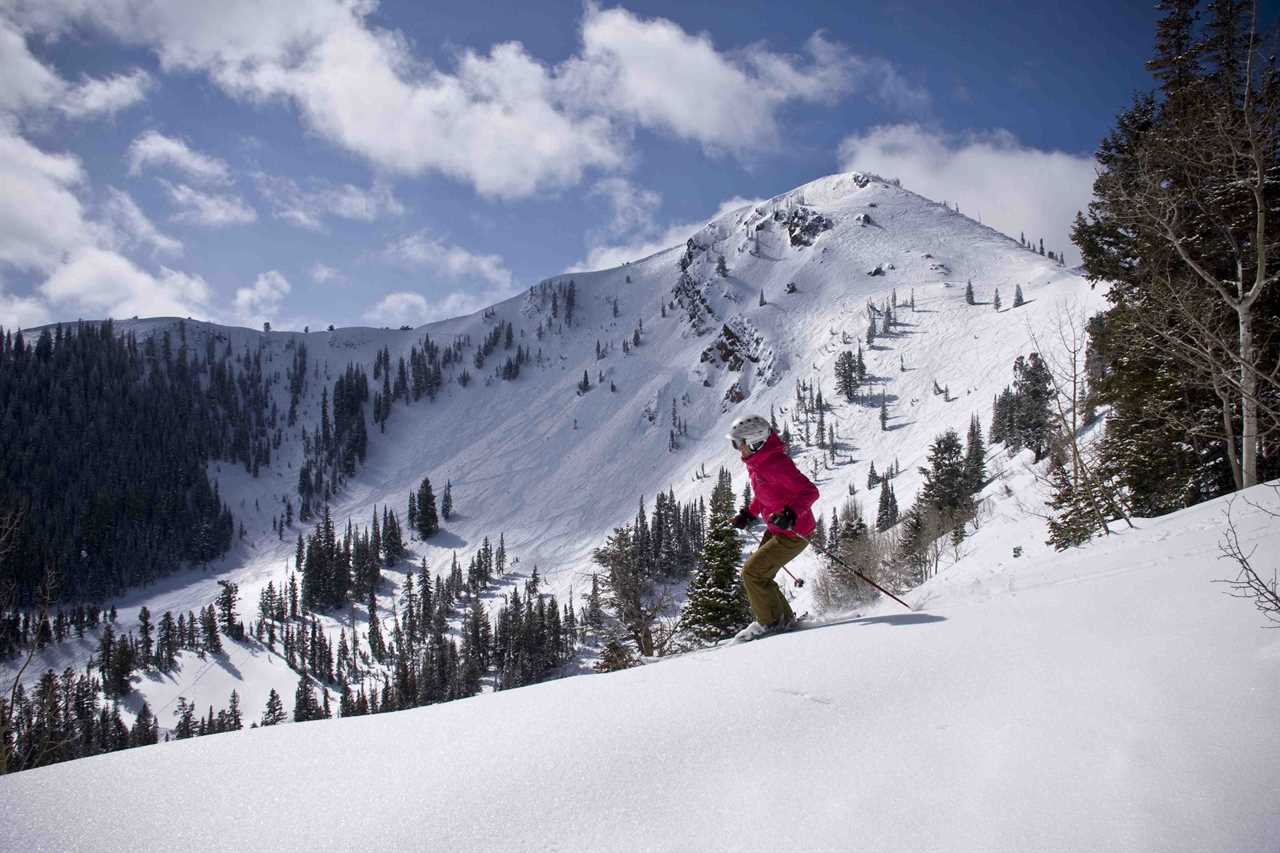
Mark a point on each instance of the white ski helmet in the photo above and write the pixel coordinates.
(751, 430)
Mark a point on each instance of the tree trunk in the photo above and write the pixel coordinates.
(1248, 401)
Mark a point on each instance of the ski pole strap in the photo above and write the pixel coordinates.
(830, 556)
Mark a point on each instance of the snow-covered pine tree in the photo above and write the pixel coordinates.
(274, 712)
(887, 512)
(717, 603)
(975, 456)
(428, 521)
(968, 293)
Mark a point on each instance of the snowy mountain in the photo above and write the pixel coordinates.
(554, 470)
(1109, 698)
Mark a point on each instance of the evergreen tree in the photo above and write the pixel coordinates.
(1018, 301)
(428, 521)
(144, 636)
(975, 456)
(717, 602)
(946, 489)
(887, 513)
(446, 502)
(304, 701)
(968, 293)
(995, 300)
(1033, 393)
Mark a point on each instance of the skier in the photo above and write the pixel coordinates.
(783, 495)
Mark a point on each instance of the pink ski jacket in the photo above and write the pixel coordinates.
(777, 482)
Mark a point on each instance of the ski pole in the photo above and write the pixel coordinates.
(831, 556)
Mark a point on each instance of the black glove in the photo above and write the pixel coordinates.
(743, 519)
(785, 518)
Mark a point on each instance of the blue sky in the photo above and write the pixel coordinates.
(346, 162)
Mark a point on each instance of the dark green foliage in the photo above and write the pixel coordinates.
(975, 454)
(108, 438)
(615, 656)
(274, 713)
(1020, 415)
(1174, 425)
(947, 484)
(887, 512)
(428, 520)
(717, 602)
(847, 378)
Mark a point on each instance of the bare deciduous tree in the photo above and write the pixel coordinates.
(1206, 188)
(1067, 373)
(1249, 582)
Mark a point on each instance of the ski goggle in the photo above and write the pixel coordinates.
(740, 443)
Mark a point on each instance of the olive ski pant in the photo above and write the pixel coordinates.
(768, 604)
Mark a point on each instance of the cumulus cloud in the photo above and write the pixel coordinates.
(261, 302)
(413, 309)
(212, 210)
(107, 96)
(41, 217)
(132, 227)
(648, 238)
(500, 120)
(1011, 186)
(155, 149)
(20, 312)
(323, 274)
(45, 230)
(656, 74)
(103, 283)
(422, 250)
(307, 208)
(29, 84)
(633, 207)
(400, 308)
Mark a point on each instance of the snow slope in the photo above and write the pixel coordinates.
(555, 471)
(1109, 698)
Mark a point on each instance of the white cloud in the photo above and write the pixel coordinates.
(323, 274)
(208, 209)
(397, 309)
(653, 72)
(423, 250)
(21, 312)
(103, 283)
(44, 229)
(413, 309)
(30, 85)
(106, 96)
(308, 208)
(262, 301)
(500, 120)
(155, 149)
(41, 217)
(131, 226)
(1010, 186)
(633, 207)
(649, 238)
